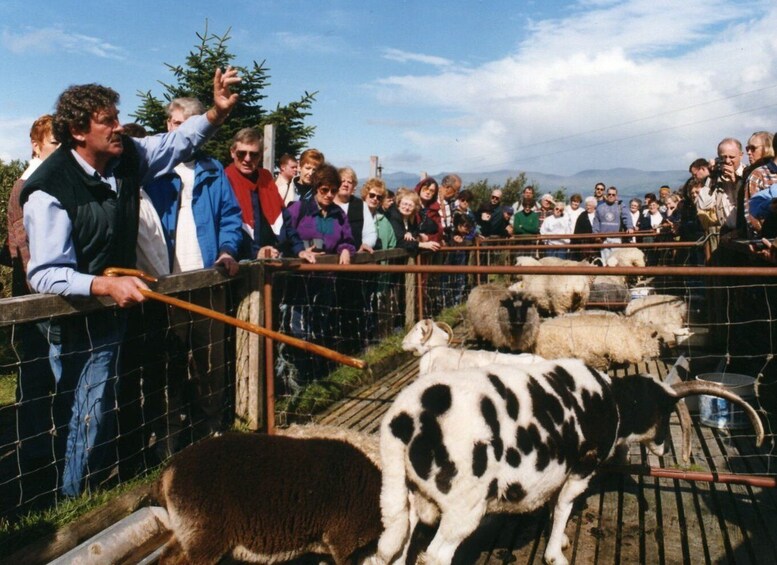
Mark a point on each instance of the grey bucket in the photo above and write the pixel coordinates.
(720, 413)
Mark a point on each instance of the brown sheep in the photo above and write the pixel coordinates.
(267, 499)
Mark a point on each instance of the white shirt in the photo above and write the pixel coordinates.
(188, 255)
(151, 251)
(553, 225)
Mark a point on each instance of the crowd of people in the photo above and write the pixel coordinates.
(100, 194)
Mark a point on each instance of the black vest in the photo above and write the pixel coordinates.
(105, 224)
(356, 220)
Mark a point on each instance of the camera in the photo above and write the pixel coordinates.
(719, 162)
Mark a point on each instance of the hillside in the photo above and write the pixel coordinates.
(630, 182)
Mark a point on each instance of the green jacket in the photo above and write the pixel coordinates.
(524, 223)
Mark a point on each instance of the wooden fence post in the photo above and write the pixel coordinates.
(268, 159)
(410, 297)
(249, 358)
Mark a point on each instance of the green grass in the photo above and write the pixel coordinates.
(322, 394)
(33, 525)
(7, 389)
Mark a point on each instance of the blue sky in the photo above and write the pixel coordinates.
(555, 87)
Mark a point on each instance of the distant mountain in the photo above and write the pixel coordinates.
(630, 182)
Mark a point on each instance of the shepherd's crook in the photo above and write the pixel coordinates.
(247, 326)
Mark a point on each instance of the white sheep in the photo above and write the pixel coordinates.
(601, 339)
(271, 498)
(553, 294)
(457, 445)
(664, 312)
(626, 257)
(429, 341)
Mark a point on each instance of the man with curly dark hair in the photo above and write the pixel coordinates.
(81, 216)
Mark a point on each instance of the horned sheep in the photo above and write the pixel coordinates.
(271, 498)
(456, 445)
(429, 341)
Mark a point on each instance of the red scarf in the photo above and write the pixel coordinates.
(269, 199)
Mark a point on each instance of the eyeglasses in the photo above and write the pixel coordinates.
(241, 154)
(598, 189)
(373, 195)
(752, 148)
(327, 190)
(558, 209)
(612, 194)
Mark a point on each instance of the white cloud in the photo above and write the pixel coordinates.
(55, 39)
(310, 41)
(405, 57)
(639, 83)
(15, 138)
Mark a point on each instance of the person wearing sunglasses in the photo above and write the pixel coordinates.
(260, 204)
(611, 216)
(310, 301)
(557, 224)
(373, 195)
(321, 224)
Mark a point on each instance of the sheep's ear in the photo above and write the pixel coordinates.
(447, 329)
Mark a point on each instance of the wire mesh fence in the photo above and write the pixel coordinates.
(178, 375)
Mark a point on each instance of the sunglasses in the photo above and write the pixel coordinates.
(373, 195)
(241, 154)
(327, 190)
(751, 148)
(496, 198)
(612, 194)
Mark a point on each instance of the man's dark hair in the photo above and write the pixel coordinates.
(77, 105)
(698, 164)
(134, 130)
(466, 195)
(326, 174)
(285, 158)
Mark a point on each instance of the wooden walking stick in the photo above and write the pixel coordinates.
(247, 326)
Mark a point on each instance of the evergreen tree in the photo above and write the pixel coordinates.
(195, 79)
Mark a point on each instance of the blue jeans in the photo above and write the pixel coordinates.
(89, 379)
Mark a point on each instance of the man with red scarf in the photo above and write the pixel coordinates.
(260, 203)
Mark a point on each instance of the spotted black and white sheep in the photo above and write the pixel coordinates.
(429, 340)
(271, 498)
(456, 445)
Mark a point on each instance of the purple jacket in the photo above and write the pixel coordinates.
(305, 215)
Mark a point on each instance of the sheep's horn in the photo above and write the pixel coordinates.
(426, 330)
(685, 425)
(688, 388)
(447, 329)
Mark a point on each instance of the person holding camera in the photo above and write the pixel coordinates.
(725, 182)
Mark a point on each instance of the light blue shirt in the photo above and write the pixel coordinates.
(52, 267)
